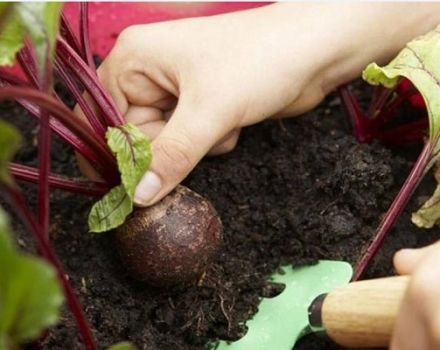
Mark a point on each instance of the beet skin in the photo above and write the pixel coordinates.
(173, 241)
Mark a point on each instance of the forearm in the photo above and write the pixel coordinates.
(320, 46)
(342, 38)
(360, 33)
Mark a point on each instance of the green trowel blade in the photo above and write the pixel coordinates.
(281, 321)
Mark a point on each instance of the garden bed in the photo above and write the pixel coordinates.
(292, 192)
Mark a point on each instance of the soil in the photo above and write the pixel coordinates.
(292, 192)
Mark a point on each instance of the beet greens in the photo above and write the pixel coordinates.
(417, 62)
(29, 33)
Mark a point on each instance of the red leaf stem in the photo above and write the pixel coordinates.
(397, 206)
(67, 56)
(355, 114)
(84, 35)
(19, 204)
(28, 64)
(68, 34)
(69, 120)
(91, 152)
(96, 123)
(30, 174)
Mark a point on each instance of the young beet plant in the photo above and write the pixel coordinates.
(31, 289)
(169, 243)
(418, 62)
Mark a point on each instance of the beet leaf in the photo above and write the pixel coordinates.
(122, 346)
(30, 294)
(132, 150)
(419, 63)
(9, 143)
(37, 19)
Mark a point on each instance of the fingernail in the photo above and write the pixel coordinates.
(147, 189)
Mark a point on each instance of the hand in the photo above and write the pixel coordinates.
(192, 84)
(418, 323)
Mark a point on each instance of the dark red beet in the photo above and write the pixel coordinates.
(173, 241)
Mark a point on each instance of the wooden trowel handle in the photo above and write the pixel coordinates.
(362, 314)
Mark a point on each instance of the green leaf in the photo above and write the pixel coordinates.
(9, 142)
(122, 346)
(132, 150)
(30, 294)
(418, 62)
(429, 214)
(111, 211)
(39, 20)
(11, 37)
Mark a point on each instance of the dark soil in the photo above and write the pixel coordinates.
(291, 192)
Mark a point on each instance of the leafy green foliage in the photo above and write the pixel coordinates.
(111, 211)
(39, 20)
(11, 38)
(419, 62)
(132, 150)
(429, 214)
(122, 346)
(9, 142)
(30, 295)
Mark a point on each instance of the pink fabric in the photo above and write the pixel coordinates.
(108, 19)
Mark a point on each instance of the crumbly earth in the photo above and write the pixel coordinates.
(292, 192)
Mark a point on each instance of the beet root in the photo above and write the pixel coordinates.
(173, 241)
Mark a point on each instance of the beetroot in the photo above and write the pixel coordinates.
(173, 241)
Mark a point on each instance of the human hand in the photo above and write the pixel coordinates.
(192, 84)
(418, 322)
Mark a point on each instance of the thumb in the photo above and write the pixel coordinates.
(181, 144)
(406, 260)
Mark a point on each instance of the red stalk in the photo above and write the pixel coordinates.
(90, 152)
(399, 203)
(19, 204)
(44, 147)
(380, 96)
(84, 35)
(69, 119)
(28, 64)
(68, 34)
(96, 123)
(30, 174)
(357, 119)
(67, 56)
(404, 134)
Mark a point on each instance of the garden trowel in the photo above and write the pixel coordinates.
(319, 298)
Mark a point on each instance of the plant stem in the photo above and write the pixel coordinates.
(404, 134)
(19, 204)
(356, 116)
(90, 151)
(399, 203)
(68, 34)
(380, 96)
(30, 174)
(96, 123)
(67, 56)
(28, 64)
(84, 35)
(44, 147)
(70, 120)
(44, 159)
